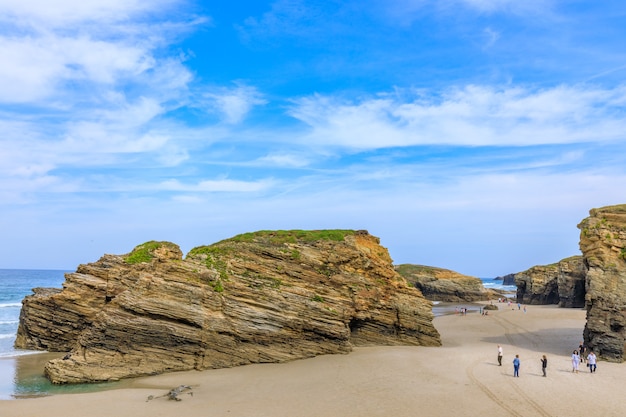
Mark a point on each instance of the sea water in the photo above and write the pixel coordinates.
(15, 284)
(496, 284)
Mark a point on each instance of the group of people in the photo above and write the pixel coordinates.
(577, 357)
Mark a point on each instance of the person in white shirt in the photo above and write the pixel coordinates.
(591, 361)
(575, 361)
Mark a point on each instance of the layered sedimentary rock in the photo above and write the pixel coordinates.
(562, 283)
(258, 297)
(603, 244)
(438, 284)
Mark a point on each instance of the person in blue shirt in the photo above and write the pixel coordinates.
(516, 364)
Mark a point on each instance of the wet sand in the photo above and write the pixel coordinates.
(460, 378)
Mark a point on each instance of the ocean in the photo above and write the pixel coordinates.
(17, 377)
(497, 285)
(15, 284)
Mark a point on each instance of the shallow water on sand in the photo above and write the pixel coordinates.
(22, 377)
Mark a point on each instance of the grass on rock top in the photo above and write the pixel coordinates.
(145, 251)
(293, 236)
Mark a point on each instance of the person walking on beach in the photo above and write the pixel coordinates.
(499, 355)
(581, 351)
(591, 361)
(516, 364)
(544, 364)
(575, 361)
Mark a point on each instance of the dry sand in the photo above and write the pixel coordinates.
(461, 378)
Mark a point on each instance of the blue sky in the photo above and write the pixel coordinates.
(472, 135)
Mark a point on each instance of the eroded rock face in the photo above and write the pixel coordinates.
(571, 282)
(438, 284)
(260, 297)
(562, 283)
(603, 244)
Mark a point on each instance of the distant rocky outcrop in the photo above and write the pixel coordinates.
(508, 279)
(603, 244)
(562, 283)
(438, 284)
(269, 296)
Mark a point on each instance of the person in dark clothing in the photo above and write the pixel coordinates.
(581, 351)
(544, 364)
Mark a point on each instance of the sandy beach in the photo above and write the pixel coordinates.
(460, 378)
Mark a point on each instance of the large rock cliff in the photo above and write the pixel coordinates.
(562, 283)
(603, 244)
(258, 297)
(438, 284)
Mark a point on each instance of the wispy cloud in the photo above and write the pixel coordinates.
(283, 159)
(232, 104)
(534, 7)
(218, 185)
(469, 116)
(70, 12)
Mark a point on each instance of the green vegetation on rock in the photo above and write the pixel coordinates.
(145, 251)
(213, 259)
(406, 269)
(278, 237)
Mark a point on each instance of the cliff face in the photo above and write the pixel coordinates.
(259, 297)
(561, 283)
(439, 284)
(603, 244)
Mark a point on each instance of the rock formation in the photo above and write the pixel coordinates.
(508, 279)
(439, 284)
(603, 244)
(258, 297)
(562, 283)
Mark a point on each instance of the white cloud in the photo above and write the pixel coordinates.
(233, 104)
(470, 116)
(85, 82)
(60, 13)
(284, 160)
(53, 50)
